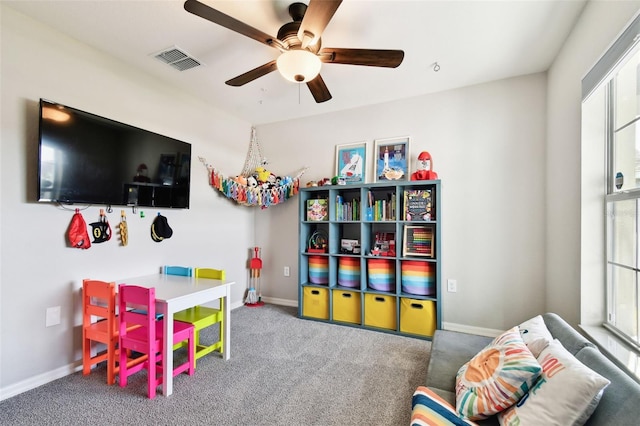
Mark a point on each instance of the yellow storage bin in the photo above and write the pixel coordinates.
(417, 316)
(380, 311)
(346, 306)
(315, 302)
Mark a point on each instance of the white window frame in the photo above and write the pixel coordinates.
(612, 196)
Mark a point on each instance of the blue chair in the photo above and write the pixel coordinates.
(170, 270)
(183, 271)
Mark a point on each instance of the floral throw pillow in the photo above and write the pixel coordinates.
(496, 378)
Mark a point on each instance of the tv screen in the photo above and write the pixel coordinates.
(88, 159)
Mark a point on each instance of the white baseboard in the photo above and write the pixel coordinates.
(236, 305)
(282, 302)
(39, 380)
(272, 300)
(462, 328)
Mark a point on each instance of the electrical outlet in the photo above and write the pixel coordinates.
(287, 271)
(53, 316)
(452, 286)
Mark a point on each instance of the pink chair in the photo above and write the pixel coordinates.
(100, 324)
(148, 338)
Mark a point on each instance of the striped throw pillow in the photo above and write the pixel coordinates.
(429, 409)
(496, 378)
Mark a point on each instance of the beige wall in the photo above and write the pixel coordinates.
(488, 143)
(38, 270)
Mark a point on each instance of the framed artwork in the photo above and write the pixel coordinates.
(351, 162)
(392, 159)
(418, 241)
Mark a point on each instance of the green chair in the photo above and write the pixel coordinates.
(204, 316)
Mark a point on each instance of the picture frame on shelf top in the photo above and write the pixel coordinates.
(391, 159)
(351, 162)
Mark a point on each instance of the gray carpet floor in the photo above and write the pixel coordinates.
(283, 371)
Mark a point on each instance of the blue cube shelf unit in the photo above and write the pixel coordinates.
(369, 256)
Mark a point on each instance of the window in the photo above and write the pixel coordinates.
(623, 199)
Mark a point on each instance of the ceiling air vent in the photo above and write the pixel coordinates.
(177, 59)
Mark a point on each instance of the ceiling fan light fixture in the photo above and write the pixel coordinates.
(299, 66)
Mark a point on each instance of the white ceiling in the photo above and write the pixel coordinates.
(472, 41)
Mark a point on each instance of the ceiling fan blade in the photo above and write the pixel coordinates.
(367, 57)
(319, 90)
(217, 17)
(315, 20)
(249, 76)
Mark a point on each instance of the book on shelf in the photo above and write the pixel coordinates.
(317, 210)
(381, 209)
(347, 210)
(418, 205)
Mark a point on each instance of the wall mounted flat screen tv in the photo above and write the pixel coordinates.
(88, 159)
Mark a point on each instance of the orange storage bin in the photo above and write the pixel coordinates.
(417, 316)
(380, 311)
(346, 306)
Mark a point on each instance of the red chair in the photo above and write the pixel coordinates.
(100, 324)
(148, 338)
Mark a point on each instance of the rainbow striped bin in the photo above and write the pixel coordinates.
(319, 270)
(418, 277)
(349, 271)
(382, 274)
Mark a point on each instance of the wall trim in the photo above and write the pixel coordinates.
(39, 380)
(282, 302)
(462, 328)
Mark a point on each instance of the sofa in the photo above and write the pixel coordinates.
(619, 403)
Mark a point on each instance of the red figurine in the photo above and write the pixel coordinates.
(425, 168)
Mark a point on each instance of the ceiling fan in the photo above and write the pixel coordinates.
(300, 45)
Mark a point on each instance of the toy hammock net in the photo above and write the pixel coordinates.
(255, 185)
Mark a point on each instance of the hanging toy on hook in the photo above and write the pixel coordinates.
(77, 233)
(101, 230)
(124, 232)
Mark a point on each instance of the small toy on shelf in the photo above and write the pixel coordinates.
(318, 242)
(424, 169)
